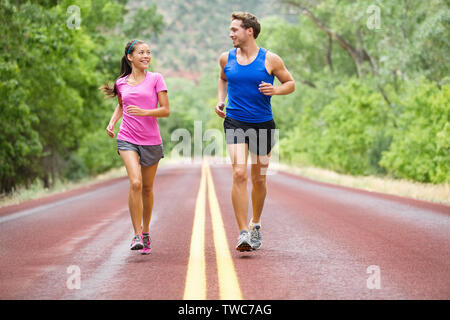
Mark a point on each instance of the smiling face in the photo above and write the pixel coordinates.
(239, 34)
(140, 57)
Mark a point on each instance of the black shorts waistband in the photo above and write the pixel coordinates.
(256, 125)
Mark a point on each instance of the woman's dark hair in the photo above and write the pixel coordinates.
(125, 68)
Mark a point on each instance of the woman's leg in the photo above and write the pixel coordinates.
(148, 176)
(131, 161)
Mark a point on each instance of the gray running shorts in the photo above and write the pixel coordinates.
(148, 155)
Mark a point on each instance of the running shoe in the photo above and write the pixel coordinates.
(244, 243)
(146, 240)
(137, 244)
(255, 236)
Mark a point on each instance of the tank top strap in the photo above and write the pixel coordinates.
(262, 55)
(232, 55)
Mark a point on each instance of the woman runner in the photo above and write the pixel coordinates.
(139, 141)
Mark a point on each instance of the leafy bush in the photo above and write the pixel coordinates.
(420, 148)
(98, 153)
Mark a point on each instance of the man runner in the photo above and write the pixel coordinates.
(247, 74)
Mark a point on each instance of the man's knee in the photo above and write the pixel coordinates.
(240, 175)
(259, 181)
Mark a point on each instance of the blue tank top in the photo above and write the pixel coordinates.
(245, 102)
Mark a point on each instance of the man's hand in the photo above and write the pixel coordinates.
(267, 89)
(219, 109)
(136, 111)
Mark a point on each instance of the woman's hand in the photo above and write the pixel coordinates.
(136, 111)
(110, 130)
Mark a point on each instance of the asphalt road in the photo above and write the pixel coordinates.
(320, 241)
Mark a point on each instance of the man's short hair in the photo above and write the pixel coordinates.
(248, 21)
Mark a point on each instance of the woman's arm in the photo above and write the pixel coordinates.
(162, 112)
(117, 114)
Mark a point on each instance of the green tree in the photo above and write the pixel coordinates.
(56, 55)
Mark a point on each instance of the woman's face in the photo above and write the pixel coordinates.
(140, 57)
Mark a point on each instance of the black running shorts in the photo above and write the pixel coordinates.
(260, 137)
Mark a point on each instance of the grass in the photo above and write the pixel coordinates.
(37, 189)
(439, 193)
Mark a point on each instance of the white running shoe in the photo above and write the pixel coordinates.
(255, 236)
(244, 243)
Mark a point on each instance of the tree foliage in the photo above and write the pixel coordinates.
(52, 64)
(370, 98)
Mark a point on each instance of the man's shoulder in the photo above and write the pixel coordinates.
(274, 59)
(223, 59)
(272, 56)
(224, 54)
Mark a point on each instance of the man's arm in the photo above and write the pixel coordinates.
(222, 86)
(278, 70)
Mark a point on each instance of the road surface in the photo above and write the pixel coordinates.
(320, 241)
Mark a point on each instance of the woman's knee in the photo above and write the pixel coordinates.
(136, 185)
(147, 189)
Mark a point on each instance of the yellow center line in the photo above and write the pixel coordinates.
(228, 281)
(195, 288)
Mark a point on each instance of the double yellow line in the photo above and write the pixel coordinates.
(195, 288)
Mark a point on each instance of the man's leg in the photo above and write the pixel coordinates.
(259, 168)
(239, 194)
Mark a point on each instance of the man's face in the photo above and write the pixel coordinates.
(238, 34)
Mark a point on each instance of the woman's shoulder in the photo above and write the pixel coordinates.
(121, 80)
(155, 75)
(158, 82)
